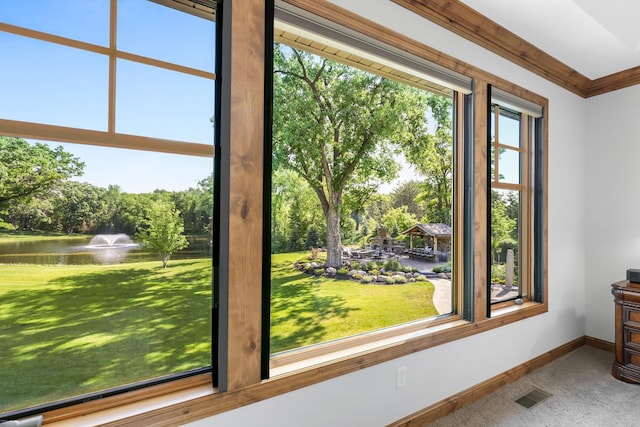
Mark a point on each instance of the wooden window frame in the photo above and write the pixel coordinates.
(525, 191)
(533, 162)
(242, 161)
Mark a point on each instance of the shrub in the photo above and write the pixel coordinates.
(399, 279)
(498, 273)
(355, 265)
(444, 268)
(421, 278)
(392, 265)
(372, 265)
(343, 271)
(365, 279)
(374, 272)
(389, 280)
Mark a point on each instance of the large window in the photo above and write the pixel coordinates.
(363, 181)
(354, 187)
(514, 164)
(106, 198)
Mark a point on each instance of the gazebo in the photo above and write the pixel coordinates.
(439, 235)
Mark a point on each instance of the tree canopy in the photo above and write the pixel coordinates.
(31, 169)
(338, 128)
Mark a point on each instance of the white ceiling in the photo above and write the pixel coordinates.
(594, 37)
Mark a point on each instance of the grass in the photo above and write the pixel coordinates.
(67, 330)
(308, 310)
(70, 330)
(32, 236)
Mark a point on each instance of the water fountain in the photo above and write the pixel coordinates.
(110, 248)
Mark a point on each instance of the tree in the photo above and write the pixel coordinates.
(502, 226)
(163, 234)
(406, 194)
(31, 169)
(398, 219)
(434, 159)
(338, 128)
(30, 213)
(77, 206)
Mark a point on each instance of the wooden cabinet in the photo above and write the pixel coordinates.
(626, 367)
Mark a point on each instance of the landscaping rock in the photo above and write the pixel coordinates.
(331, 271)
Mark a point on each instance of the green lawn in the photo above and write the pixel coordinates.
(32, 236)
(309, 310)
(67, 330)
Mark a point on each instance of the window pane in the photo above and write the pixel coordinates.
(150, 29)
(372, 249)
(509, 128)
(83, 20)
(162, 103)
(505, 245)
(53, 84)
(85, 302)
(509, 166)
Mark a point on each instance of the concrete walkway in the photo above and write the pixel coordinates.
(442, 295)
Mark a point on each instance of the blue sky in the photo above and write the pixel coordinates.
(63, 86)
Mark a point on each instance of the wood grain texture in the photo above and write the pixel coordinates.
(468, 23)
(480, 209)
(601, 344)
(615, 81)
(246, 124)
(460, 19)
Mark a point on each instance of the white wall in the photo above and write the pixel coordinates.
(613, 211)
(369, 397)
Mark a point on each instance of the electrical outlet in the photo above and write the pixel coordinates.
(401, 377)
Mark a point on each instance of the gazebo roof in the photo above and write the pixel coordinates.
(438, 230)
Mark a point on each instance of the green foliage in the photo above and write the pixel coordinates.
(31, 169)
(392, 265)
(313, 238)
(442, 268)
(294, 210)
(398, 219)
(498, 273)
(433, 157)
(340, 130)
(163, 234)
(399, 279)
(356, 265)
(343, 271)
(503, 226)
(77, 205)
(406, 194)
(366, 279)
(372, 265)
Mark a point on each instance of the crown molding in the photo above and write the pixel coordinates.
(466, 22)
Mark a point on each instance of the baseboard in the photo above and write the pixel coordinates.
(601, 344)
(465, 397)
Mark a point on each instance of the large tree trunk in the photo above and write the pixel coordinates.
(334, 242)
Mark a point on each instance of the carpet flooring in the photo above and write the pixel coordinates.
(583, 393)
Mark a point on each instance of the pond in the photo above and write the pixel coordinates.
(82, 250)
